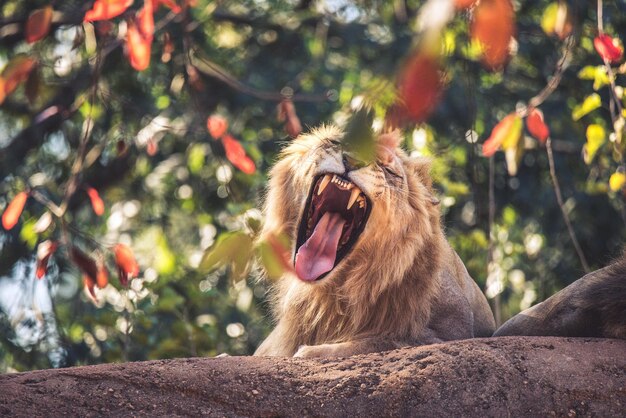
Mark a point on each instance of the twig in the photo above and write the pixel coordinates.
(492, 217)
(559, 199)
(554, 82)
(537, 100)
(615, 100)
(211, 69)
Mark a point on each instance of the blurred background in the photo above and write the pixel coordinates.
(170, 190)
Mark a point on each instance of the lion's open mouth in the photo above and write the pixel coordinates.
(333, 218)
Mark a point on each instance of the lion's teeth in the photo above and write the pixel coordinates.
(353, 196)
(323, 184)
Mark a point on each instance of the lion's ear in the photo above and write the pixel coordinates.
(419, 168)
(391, 139)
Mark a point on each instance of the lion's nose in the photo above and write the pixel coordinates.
(350, 163)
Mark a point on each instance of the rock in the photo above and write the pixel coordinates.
(507, 376)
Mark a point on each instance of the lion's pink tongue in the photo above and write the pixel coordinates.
(317, 255)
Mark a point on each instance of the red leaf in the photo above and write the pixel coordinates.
(194, 78)
(168, 48)
(217, 126)
(12, 213)
(499, 134)
(126, 264)
(152, 147)
(293, 126)
(38, 24)
(85, 263)
(121, 147)
(44, 250)
(104, 27)
(287, 112)
(106, 9)
(138, 47)
(419, 86)
(145, 20)
(493, 26)
(237, 155)
(16, 72)
(281, 252)
(536, 125)
(609, 48)
(96, 202)
(169, 3)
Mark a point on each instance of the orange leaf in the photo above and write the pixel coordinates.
(2, 92)
(16, 72)
(170, 4)
(507, 127)
(464, 4)
(106, 9)
(536, 125)
(44, 250)
(609, 48)
(85, 263)
(96, 202)
(237, 155)
(89, 288)
(138, 48)
(217, 126)
(493, 26)
(126, 264)
(419, 86)
(12, 213)
(145, 19)
(38, 24)
(102, 278)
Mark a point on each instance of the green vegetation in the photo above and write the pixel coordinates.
(171, 190)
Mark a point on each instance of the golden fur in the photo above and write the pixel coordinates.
(400, 271)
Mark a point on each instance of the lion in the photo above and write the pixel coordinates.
(373, 270)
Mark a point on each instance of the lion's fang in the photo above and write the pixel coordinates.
(353, 196)
(323, 184)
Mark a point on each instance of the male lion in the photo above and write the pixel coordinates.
(373, 269)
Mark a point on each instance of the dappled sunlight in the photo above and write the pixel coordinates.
(137, 138)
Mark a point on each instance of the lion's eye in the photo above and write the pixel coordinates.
(335, 142)
(391, 172)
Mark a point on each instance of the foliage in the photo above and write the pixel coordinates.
(152, 125)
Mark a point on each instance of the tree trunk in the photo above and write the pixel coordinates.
(507, 376)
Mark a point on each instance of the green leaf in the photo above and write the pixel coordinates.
(195, 159)
(596, 136)
(88, 110)
(28, 234)
(226, 249)
(269, 259)
(241, 258)
(596, 73)
(273, 252)
(359, 137)
(591, 102)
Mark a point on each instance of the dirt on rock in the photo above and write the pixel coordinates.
(507, 376)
